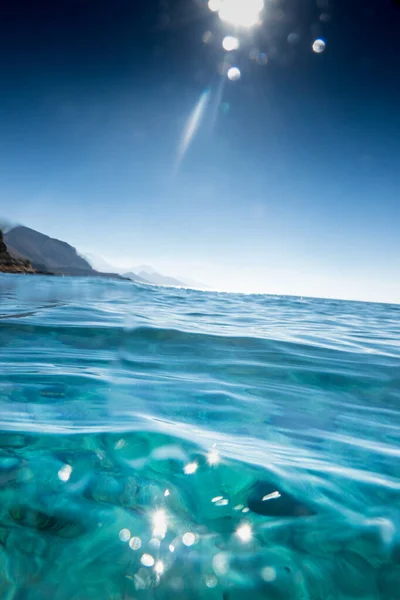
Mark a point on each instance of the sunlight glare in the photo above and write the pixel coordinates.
(214, 5)
(241, 13)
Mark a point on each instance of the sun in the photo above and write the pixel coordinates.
(241, 13)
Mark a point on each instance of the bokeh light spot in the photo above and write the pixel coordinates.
(318, 46)
(147, 560)
(135, 543)
(230, 43)
(234, 74)
(189, 538)
(293, 38)
(262, 58)
(220, 563)
(268, 574)
(211, 581)
(124, 535)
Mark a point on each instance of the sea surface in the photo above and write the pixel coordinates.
(160, 443)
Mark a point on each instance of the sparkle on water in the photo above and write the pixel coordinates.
(222, 502)
(217, 498)
(159, 521)
(271, 496)
(230, 43)
(244, 532)
(190, 468)
(213, 457)
(159, 567)
(65, 473)
(233, 73)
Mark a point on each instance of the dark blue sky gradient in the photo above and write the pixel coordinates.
(294, 188)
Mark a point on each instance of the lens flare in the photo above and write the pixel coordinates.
(192, 126)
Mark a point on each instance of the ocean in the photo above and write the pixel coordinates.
(161, 443)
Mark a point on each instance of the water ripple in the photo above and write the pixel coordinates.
(265, 429)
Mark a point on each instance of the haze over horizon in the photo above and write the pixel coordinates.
(119, 135)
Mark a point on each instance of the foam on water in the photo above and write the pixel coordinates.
(162, 442)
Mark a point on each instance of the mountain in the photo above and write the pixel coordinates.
(134, 277)
(10, 264)
(140, 274)
(157, 278)
(47, 254)
(99, 264)
(149, 275)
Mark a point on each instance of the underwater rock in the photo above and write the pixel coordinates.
(54, 525)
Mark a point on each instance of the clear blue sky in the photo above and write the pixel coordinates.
(291, 184)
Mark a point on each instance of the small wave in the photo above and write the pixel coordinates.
(258, 437)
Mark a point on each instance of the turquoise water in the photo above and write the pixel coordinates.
(163, 443)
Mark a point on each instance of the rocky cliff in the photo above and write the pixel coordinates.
(9, 264)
